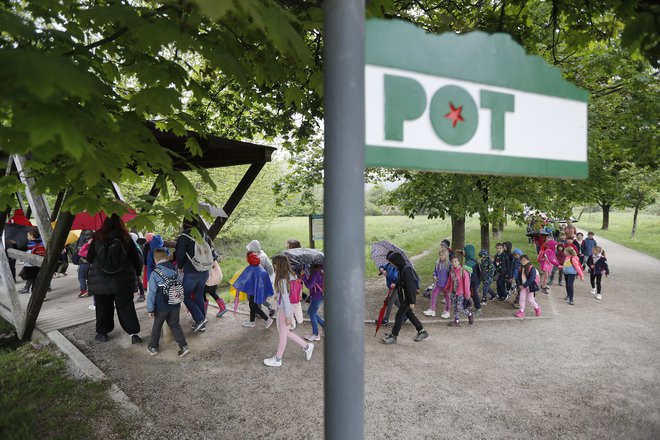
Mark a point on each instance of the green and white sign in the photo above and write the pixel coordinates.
(473, 103)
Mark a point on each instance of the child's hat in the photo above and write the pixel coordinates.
(445, 242)
(253, 259)
(517, 251)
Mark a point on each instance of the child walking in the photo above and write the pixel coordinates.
(314, 282)
(501, 262)
(440, 275)
(548, 260)
(35, 247)
(572, 268)
(561, 257)
(158, 306)
(392, 283)
(527, 284)
(597, 264)
(458, 283)
(486, 274)
(283, 276)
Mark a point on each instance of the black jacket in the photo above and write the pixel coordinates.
(407, 284)
(123, 282)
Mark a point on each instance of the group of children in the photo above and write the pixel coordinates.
(459, 275)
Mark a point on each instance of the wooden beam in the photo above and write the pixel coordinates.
(117, 191)
(35, 260)
(17, 311)
(233, 201)
(4, 215)
(54, 249)
(58, 205)
(36, 201)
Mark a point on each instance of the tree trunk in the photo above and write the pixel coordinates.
(580, 215)
(458, 232)
(485, 235)
(500, 228)
(496, 232)
(606, 217)
(634, 229)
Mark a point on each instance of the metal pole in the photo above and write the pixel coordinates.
(344, 218)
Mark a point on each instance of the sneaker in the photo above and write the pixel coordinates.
(598, 297)
(571, 303)
(24, 290)
(389, 339)
(135, 339)
(484, 302)
(183, 351)
(537, 311)
(313, 337)
(478, 312)
(429, 312)
(83, 294)
(102, 337)
(593, 291)
(200, 324)
(92, 307)
(268, 323)
(250, 324)
(454, 324)
(566, 298)
(559, 284)
(271, 313)
(471, 318)
(273, 362)
(385, 323)
(140, 298)
(519, 314)
(202, 328)
(309, 351)
(152, 351)
(220, 313)
(421, 336)
(445, 315)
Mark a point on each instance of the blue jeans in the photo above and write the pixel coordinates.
(83, 269)
(314, 316)
(193, 293)
(570, 278)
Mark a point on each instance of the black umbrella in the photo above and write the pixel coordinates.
(18, 234)
(380, 249)
(300, 257)
(540, 232)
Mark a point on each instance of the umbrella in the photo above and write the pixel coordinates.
(94, 222)
(254, 281)
(381, 314)
(303, 256)
(380, 249)
(214, 211)
(539, 232)
(18, 234)
(237, 294)
(73, 237)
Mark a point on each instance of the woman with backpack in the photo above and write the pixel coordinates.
(114, 265)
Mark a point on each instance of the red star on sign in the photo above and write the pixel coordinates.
(455, 114)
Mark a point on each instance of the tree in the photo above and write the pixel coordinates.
(640, 189)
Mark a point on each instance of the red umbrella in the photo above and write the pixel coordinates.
(381, 314)
(94, 222)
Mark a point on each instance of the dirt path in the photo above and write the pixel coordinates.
(588, 371)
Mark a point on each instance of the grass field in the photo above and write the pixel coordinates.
(646, 240)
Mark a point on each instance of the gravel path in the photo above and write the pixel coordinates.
(589, 371)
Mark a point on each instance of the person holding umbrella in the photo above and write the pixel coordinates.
(407, 299)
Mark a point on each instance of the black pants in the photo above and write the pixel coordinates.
(501, 286)
(394, 300)
(595, 281)
(405, 310)
(255, 309)
(172, 319)
(570, 278)
(211, 290)
(105, 313)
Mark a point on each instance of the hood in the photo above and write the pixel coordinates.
(254, 246)
(253, 258)
(469, 252)
(157, 242)
(397, 259)
(517, 251)
(484, 253)
(552, 245)
(168, 268)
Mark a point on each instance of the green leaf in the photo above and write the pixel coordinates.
(193, 146)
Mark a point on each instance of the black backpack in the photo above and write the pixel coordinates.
(111, 258)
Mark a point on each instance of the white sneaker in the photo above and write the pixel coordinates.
(309, 351)
(250, 324)
(92, 307)
(593, 291)
(273, 362)
(313, 337)
(445, 315)
(268, 323)
(429, 312)
(599, 297)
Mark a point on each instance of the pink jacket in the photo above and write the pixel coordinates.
(547, 258)
(463, 288)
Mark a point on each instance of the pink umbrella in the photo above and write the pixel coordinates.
(94, 222)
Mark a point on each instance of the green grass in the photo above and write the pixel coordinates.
(38, 399)
(647, 236)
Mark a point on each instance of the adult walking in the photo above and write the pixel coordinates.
(407, 299)
(193, 261)
(115, 264)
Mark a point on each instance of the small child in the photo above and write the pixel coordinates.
(597, 264)
(571, 269)
(548, 260)
(314, 282)
(515, 273)
(487, 273)
(283, 276)
(35, 247)
(588, 245)
(255, 298)
(458, 283)
(527, 283)
(501, 263)
(440, 275)
(561, 257)
(392, 283)
(158, 307)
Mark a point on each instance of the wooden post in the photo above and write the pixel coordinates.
(236, 197)
(17, 311)
(36, 201)
(58, 205)
(34, 260)
(153, 193)
(55, 246)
